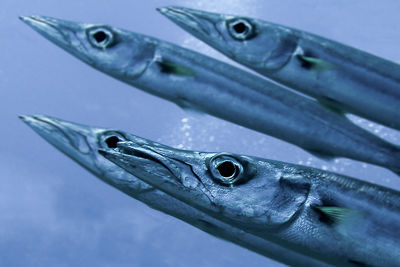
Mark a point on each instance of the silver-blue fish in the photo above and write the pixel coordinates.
(193, 80)
(337, 219)
(81, 143)
(340, 77)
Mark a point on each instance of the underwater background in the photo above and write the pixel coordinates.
(55, 213)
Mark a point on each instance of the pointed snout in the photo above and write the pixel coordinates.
(46, 26)
(41, 124)
(71, 138)
(184, 12)
(61, 32)
(192, 20)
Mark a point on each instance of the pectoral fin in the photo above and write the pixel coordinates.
(331, 107)
(314, 63)
(174, 69)
(338, 215)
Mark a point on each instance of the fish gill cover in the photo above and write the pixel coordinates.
(55, 213)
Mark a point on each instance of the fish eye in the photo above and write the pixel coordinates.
(225, 169)
(241, 29)
(111, 140)
(100, 37)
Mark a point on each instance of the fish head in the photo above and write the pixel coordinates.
(82, 143)
(100, 46)
(251, 42)
(246, 191)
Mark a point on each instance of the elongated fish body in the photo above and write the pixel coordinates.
(195, 81)
(81, 143)
(337, 219)
(337, 75)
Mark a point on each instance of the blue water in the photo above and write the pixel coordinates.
(54, 213)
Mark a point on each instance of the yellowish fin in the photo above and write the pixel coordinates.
(175, 69)
(339, 215)
(315, 63)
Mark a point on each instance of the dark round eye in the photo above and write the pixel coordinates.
(241, 29)
(100, 37)
(225, 169)
(112, 141)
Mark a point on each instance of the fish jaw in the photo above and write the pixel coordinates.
(198, 23)
(149, 164)
(62, 134)
(117, 52)
(63, 33)
(195, 22)
(251, 42)
(81, 144)
(255, 199)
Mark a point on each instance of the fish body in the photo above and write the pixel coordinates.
(337, 75)
(81, 143)
(195, 81)
(337, 219)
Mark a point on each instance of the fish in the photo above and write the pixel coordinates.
(82, 142)
(197, 82)
(334, 218)
(335, 74)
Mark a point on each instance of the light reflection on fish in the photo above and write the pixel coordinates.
(195, 81)
(81, 143)
(334, 218)
(342, 78)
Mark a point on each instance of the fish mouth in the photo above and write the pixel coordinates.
(63, 33)
(142, 160)
(164, 168)
(189, 19)
(74, 140)
(48, 27)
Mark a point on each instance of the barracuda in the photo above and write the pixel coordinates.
(81, 143)
(340, 77)
(336, 219)
(195, 81)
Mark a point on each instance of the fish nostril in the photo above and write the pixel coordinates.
(227, 169)
(112, 141)
(240, 27)
(100, 36)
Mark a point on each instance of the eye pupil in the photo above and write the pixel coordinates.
(112, 141)
(240, 27)
(227, 169)
(100, 36)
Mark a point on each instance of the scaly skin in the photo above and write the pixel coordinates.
(348, 79)
(280, 202)
(81, 143)
(217, 88)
